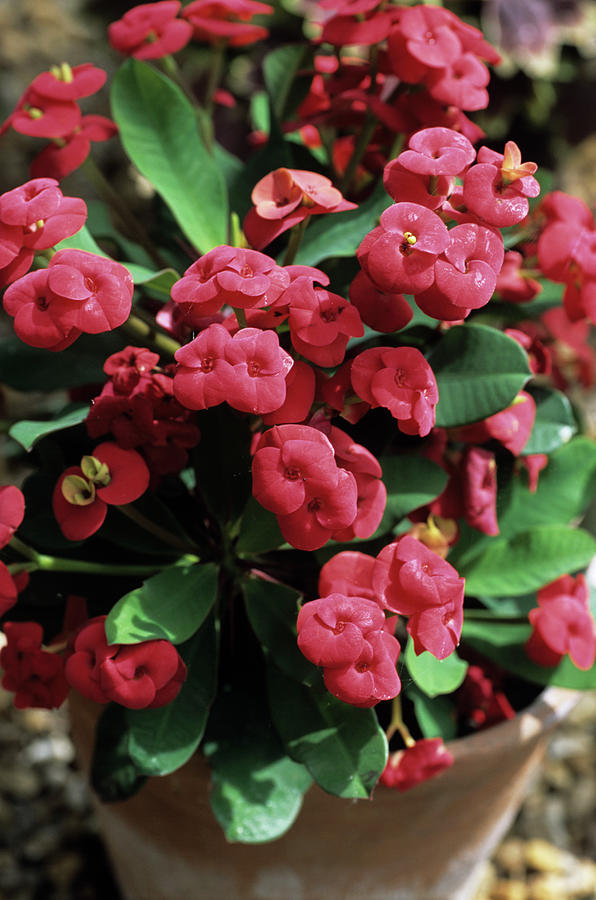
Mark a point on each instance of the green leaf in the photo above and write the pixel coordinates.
(256, 789)
(528, 561)
(555, 423)
(503, 643)
(479, 372)
(259, 531)
(113, 773)
(436, 716)
(28, 432)
(279, 70)
(82, 240)
(158, 129)
(272, 610)
(435, 676)
(161, 740)
(171, 605)
(411, 481)
(343, 747)
(161, 282)
(340, 234)
(26, 368)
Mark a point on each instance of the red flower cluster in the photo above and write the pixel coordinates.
(284, 198)
(423, 760)
(481, 701)
(138, 676)
(137, 406)
(34, 216)
(563, 623)
(49, 109)
(78, 292)
(296, 476)
(448, 272)
(346, 636)
(109, 476)
(36, 676)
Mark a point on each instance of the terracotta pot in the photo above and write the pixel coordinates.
(425, 844)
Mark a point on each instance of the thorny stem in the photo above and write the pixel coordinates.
(128, 220)
(296, 235)
(153, 528)
(140, 330)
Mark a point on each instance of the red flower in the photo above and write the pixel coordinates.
(203, 374)
(385, 312)
(12, 512)
(150, 31)
(407, 768)
(513, 284)
(36, 676)
(228, 20)
(109, 476)
(40, 116)
(139, 676)
(259, 367)
(437, 151)
(372, 494)
(497, 188)
(97, 292)
(8, 589)
(399, 255)
(479, 471)
(401, 380)
(348, 573)
(42, 213)
(321, 323)
(63, 156)
(323, 513)
(300, 394)
(65, 83)
(243, 279)
(37, 312)
(563, 623)
(511, 427)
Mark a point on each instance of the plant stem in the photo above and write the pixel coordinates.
(44, 563)
(215, 73)
(142, 331)
(397, 724)
(113, 198)
(370, 123)
(153, 528)
(296, 235)
(240, 317)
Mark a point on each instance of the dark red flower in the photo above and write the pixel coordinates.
(35, 675)
(12, 512)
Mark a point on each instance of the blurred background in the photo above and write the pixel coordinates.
(542, 96)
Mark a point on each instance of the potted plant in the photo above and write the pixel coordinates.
(308, 511)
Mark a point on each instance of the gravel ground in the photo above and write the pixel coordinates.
(50, 848)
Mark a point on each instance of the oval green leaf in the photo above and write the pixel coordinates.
(528, 561)
(479, 371)
(343, 747)
(158, 129)
(28, 432)
(435, 676)
(411, 481)
(555, 423)
(169, 606)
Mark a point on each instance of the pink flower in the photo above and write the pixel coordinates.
(563, 623)
(385, 312)
(259, 367)
(65, 83)
(401, 380)
(348, 573)
(399, 255)
(497, 188)
(332, 630)
(203, 374)
(324, 512)
(40, 116)
(407, 768)
(437, 151)
(300, 394)
(321, 323)
(479, 471)
(60, 158)
(371, 677)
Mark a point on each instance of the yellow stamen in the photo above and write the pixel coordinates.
(78, 491)
(96, 471)
(409, 238)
